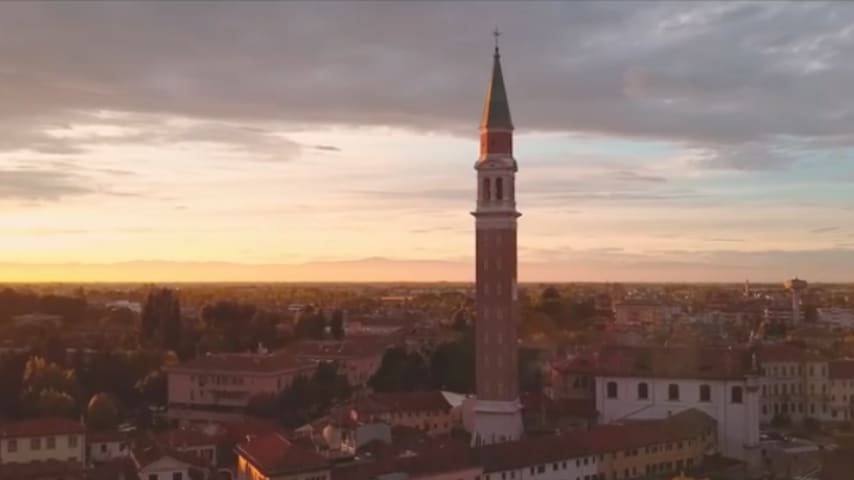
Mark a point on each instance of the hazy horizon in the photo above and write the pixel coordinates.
(656, 141)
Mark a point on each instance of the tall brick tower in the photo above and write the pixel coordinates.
(497, 410)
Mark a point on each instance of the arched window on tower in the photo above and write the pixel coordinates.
(499, 188)
(486, 193)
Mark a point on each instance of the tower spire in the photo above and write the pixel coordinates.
(496, 33)
(496, 109)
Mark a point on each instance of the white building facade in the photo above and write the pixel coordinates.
(648, 383)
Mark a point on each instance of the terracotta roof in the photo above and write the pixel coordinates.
(38, 470)
(273, 454)
(673, 362)
(597, 440)
(237, 432)
(39, 427)
(148, 450)
(841, 369)
(438, 456)
(107, 437)
(281, 361)
(350, 348)
(181, 438)
(581, 364)
(780, 353)
(560, 407)
(379, 403)
(122, 468)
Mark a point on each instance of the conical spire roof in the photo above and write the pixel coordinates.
(496, 110)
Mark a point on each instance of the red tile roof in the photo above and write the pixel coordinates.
(780, 353)
(107, 437)
(841, 369)
(273, 454)
(379, 403)
(583, 363)
(39, 427)
(673, 362)
(351, 348)
(597, 440)
(38, 470)
(182, 438)
(561, 407)
(148, 450)
(281, 361)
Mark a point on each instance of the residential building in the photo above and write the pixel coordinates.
(635, 311)
(274, 457)
(841, 378)
(226, 382)
(42, 440)
(784, 393)
(107, 446)
(357, 357)
(836, 316)
(429, 411)
(619, 451)
(156, 462)
(192, 442)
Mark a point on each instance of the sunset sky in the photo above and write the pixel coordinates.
(335, 141)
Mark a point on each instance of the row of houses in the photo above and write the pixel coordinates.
(681, 443)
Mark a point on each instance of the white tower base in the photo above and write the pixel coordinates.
(496, 422)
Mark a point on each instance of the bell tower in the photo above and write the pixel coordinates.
(497, 410)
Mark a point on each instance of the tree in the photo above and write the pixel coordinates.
(51, 403)
(262, 405)
(311, 326)
(337, 324)
(308, 397)
(401, 371)
(103, 412)
(160, 321)
(41, 375)
(226, 322)
(153, 388)
(452, 365)
(460, 321)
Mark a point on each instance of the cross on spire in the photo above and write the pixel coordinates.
(496, 33)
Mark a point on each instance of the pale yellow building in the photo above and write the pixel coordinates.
(42, 439)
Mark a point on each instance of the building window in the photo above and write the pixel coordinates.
(35, 444)
(177, 476)
(673, 392)
(12, 446)
(486, 191)
(705, 393)
(499, 188)
(72, 441)
(612, 389)
(643, 391)
(736, 394)
(50, 443)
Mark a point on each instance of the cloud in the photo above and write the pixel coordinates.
(326, 148)
(705, 74)
(746, 156)
(41, 185)
(824, 229)
(630, 176)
